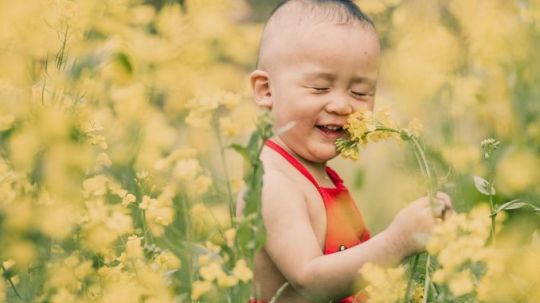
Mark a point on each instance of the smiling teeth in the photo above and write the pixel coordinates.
(332, 128)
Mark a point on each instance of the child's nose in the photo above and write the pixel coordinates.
(340, 105)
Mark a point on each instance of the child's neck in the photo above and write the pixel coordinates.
(317, 170)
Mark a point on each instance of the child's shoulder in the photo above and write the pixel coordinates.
(276, 180)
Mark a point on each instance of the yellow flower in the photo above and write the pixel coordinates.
(168, 260)
(134, 248)
(95, 185)
(211, 271)
(128, 199)
(365, 127)
(226, 281)
(199, 186)
(242, 271)
(203, 259)
(199, 288)
(119, 223)
(461, 283)
(385, 284)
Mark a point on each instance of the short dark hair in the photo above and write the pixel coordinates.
(351, 9)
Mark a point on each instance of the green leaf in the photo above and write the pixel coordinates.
(125, 62)
(482, 185)
(515, 204)
(241, 150)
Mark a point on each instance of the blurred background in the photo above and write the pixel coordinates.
(116, 117)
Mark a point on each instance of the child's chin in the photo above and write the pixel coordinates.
(326, 153)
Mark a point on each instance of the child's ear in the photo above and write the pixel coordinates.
(260, 85)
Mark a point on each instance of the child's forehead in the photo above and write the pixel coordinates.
(321, 44)
(295, 29)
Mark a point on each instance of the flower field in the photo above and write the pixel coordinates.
(127, 132)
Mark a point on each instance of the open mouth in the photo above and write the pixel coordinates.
(330, 130)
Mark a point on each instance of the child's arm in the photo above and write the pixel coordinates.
(293, 247)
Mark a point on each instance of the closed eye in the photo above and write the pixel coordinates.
(320, 89)
(360, 94)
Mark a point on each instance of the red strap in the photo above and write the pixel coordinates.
(293, 161)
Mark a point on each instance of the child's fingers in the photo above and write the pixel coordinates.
(444, 208)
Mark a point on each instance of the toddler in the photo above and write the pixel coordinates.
(318, 63)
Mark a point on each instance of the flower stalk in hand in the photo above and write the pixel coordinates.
(365, 127)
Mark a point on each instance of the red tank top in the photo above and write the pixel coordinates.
(345, 226)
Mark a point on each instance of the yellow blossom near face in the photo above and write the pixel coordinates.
(199, 288)
(242, 271)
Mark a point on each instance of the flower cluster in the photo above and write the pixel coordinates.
(459, 244)
(365, 127)
(385, 284)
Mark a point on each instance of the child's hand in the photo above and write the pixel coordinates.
(416, 220)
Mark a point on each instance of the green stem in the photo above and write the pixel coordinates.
(490, 176)
(225, 171)
(424, 167)
(11, 283)
(411, 278)
(427, 280)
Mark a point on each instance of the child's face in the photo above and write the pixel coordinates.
(328, 72)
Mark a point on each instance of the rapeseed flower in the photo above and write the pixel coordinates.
(365, 127)
(199, 288)
(385, 285)
(242, 271)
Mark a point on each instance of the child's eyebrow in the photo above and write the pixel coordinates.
(319, 75)
(332, 77)
(367, 80)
